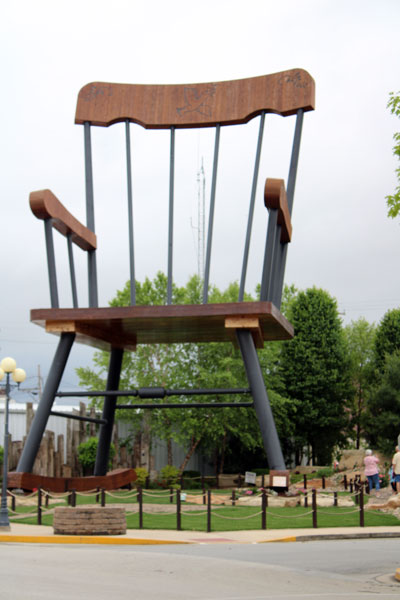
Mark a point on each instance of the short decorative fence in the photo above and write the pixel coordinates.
(136, 501)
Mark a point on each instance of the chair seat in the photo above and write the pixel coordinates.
(125, 327)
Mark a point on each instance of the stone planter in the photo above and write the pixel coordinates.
(96, 520)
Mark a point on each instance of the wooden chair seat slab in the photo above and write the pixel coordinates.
(125, 327)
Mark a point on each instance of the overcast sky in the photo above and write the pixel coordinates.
(342, 239)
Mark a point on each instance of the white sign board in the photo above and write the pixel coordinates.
(279, 481)
(250, 477)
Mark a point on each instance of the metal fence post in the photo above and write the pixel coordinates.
(361, 506)
(263, 510)
(314, 508)
(39, 506)
(178, 510)
(140, 499)
(208, 511)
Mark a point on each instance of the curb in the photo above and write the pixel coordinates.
(346, 536)
(82, 539)
(126, 541)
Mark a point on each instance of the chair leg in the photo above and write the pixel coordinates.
(32, 444)
(110, 403)
(261, 402)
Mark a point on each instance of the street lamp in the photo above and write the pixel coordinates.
(8, 366)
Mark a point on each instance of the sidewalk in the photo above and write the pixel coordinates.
(44, 535)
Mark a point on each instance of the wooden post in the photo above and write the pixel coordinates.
(233, 498)
(323, 481)
(97, 495)
(140, 499)
(208, 511)
(73, 497)
(171, 495)
(361, 506)
(335, 503)
(306, 500)
(263, 510)
(351, 486)
(103, 497)
(314, 508)
(204, 496)
(345, 482)
(39, 506)
(305, 481)
(178, 510)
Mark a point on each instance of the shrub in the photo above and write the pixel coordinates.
(87, 454)
(260, 471)
(191, 474)
(142, 475)
(325, 472)
(169, 475)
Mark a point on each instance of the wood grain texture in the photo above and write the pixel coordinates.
(275, 198)
(124, 327)
(245, 322)
(45, 205)
(112, 481)
(198, 104)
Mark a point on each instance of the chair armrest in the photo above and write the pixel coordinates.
(45, 205)
(275, 198)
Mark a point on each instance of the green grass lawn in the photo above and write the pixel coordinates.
(223, 518)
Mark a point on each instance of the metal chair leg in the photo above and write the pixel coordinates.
(110, 403)
(261, 402)
(32, 444)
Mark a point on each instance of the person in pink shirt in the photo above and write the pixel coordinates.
(371, 470)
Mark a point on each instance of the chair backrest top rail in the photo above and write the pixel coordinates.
(195, 105)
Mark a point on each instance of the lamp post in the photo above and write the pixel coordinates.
(8, 367)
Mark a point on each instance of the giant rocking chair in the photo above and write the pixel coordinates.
(247, 324)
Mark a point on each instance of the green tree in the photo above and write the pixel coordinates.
(393, 202)
(315, 374)
(359, 337)
(382, 416)
(387, 339)
(190, 365)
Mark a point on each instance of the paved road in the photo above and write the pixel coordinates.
(331, 570)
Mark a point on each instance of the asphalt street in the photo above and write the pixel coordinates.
(333, 570)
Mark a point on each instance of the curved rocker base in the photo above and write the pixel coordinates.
(113, 480)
